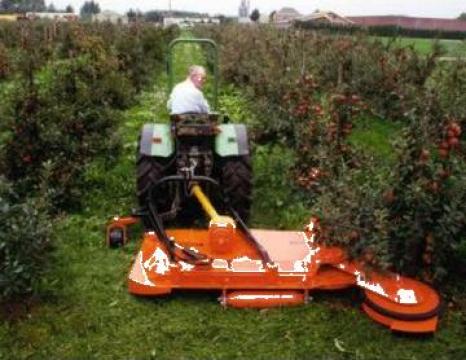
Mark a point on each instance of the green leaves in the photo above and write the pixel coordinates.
(377, 200)
(62, 96)
(25, 235)
(64, 107)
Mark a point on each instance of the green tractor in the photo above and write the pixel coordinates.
(201, 148)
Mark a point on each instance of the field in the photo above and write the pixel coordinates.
(424, 46)
(84, 311)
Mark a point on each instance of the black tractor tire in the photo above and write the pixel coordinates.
(149, 171)
(236, 180)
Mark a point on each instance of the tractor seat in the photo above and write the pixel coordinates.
(195, 118)
(195, 124)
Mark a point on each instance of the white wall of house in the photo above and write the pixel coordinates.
(110, 16)
(189, 21)
(51, 16)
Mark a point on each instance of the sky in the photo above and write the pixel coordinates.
(420, 8)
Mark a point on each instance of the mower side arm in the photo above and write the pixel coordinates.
(156, 140)
(232, 140)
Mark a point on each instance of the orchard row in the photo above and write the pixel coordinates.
(312, 91)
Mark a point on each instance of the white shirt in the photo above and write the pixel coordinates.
(187, 98)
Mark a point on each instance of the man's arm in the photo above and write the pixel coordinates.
(169, 104)
(203, 104)
(170, 100)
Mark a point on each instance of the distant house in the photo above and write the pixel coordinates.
(264, 19)
(410, 22)
(287, 16)
(184, 22)
(110, 16)
(326, 17)
(284, 17)
(9, 17)
(55, 16)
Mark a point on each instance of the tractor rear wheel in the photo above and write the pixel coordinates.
(236, 180)
(149, 171)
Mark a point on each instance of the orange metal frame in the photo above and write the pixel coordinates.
(121, 223)
(299, 265)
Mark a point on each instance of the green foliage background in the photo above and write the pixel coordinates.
(81, 308)
(314, 92)
(63, 88)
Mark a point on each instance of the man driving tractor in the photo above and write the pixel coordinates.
(187, 96)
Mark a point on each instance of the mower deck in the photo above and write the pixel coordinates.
(297, 266)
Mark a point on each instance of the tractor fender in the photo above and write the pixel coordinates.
(156, 140)
(232, 140)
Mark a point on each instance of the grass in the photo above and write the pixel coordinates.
(91, 315)
(424, 46)
(374, 137)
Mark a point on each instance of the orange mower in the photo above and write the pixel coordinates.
(201, 162)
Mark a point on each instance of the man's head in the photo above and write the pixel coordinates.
(197, 75)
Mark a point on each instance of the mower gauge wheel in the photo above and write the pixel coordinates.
(428, 302)
(116, 238)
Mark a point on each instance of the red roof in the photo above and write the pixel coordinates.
(411, 22)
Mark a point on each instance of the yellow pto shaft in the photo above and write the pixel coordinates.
(215, 218)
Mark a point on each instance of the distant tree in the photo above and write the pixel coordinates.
(32, 5)
(8, 5)
(153, 16)
(462, 16)
(69, 9)
(22, 5)
(51, 8)
(226, 19)
(135, 15)
(88, 9)
(255, 15)
(131, 14)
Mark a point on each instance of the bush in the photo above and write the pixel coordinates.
(267, 62)
(136, 43)
(353, 216)
(4, 62)
(383, 30)
(308, 88)
(139, 48)
(63, 86)
(427, 199)
(62, 120)
(25, 242)
(62, 114)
